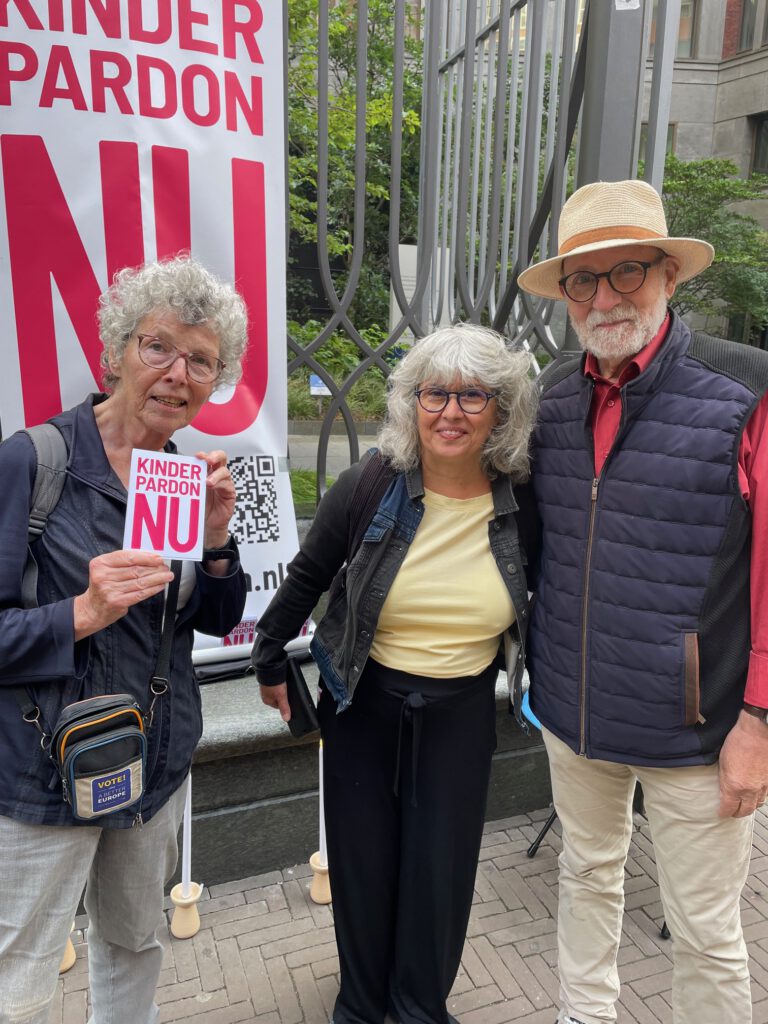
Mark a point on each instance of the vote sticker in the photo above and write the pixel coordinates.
(111, 791)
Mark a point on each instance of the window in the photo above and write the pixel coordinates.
(685, 31)
(747, 30)
(760, 145)
(644, 140)
(740, 22)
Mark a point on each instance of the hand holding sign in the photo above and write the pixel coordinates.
(117, 581)
(220, 495)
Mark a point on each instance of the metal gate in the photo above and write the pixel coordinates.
(520, 100)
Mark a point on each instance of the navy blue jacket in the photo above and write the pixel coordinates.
(37, 647)
(639, 639)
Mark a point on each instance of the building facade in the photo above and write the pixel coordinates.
(719, 100)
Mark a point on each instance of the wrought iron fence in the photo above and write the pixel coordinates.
(502, 88)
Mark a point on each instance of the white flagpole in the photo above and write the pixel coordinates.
(185, 920)
(320, 889)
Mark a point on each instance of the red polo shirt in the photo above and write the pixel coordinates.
(753, 480)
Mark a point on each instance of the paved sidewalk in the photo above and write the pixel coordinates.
(302, 449)
(265, 953)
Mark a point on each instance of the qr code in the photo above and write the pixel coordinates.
(255, 520)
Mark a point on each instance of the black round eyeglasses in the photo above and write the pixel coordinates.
(626, 277)
(471, 400)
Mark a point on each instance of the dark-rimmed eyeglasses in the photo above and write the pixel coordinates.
(160, 354)
(626, 277)
(471, 400)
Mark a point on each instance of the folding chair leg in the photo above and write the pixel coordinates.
(546, 827)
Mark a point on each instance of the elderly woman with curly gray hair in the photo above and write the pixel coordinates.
(408, 652)
(172, 333)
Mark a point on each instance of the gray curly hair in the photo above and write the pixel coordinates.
(477, 357)
(180, 286)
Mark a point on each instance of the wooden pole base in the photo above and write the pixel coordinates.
(185, 920)
(320, 889)
(68, 960)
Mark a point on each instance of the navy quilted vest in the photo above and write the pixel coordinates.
(639, 639)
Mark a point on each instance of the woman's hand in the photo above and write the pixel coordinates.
(117, 581)
(219, 499)
(277, 697)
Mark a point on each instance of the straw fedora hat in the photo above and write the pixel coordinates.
(608, 214)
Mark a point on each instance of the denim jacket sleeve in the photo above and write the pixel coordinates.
(309, 575)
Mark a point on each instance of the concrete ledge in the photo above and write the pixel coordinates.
(254, 794)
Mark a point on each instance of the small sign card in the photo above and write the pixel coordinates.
(166, 505)
(317, 387)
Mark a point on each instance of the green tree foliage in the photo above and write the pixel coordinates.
(372, 305)
(698, 198)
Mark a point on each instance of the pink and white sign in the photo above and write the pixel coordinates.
(131, 130)
(166, 505)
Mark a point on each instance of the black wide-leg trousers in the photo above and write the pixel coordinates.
(402, 864)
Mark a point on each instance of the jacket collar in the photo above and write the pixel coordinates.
(675, 345)
(87, 458)
(503, 496)
(414, 483)
(641, 388)
(501, 490)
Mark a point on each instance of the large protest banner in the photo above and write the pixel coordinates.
(130, 130)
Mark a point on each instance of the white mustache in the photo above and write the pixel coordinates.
(595, 317)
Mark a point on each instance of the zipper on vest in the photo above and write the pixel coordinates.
(584, 623)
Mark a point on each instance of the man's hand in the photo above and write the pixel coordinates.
(277, 697)
(744, 767)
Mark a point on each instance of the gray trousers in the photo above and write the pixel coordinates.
(43, 870)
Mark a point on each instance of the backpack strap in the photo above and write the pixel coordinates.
(370, 488)
(52, 456)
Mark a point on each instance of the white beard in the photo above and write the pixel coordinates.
(625, 340)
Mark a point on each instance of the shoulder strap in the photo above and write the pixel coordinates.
(375, 478)
(52, 456)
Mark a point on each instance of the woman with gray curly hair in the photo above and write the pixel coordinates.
(93, 628)
(419, 546)
(187, 291)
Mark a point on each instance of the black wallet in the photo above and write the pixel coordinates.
(303, 718)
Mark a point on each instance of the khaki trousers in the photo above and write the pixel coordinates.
(702, 862)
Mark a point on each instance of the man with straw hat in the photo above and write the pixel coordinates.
(648, 641)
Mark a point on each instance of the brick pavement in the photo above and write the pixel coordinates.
(265, 953)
